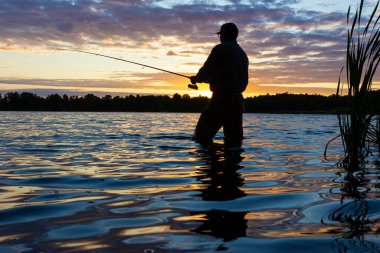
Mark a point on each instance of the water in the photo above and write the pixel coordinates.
(136, 182)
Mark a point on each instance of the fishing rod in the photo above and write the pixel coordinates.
(191, 86)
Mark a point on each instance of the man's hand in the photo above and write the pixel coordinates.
(193, 79)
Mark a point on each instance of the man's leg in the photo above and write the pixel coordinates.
(233, 124)
(209, 123)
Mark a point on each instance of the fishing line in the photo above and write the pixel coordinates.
(191, 86)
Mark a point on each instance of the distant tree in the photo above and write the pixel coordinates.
(279, 103)
(54, 102)
(65, 102)
(91, 102)
(176, 103)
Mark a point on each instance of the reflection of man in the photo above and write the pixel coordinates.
(221, 182)
(226, 70)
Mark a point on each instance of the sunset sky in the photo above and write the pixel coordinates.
(295, 46)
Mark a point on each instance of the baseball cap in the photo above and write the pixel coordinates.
(229, 29)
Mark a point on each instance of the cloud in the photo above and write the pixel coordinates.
(40, 22)
(116, 80)
(285, 45)
(171, 53)
(71, 92)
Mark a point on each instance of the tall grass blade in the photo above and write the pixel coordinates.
(362, 59)
(370, 19)
(338, 88)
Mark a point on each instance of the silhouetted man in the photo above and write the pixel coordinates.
(226, 70)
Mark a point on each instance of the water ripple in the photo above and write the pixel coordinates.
(136, 182)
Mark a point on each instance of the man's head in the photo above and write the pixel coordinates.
(228, 31)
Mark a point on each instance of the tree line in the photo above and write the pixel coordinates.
(279, 103)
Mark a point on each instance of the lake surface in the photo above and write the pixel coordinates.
(136, 182)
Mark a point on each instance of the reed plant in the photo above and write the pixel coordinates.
(374, 132)
(358, 129)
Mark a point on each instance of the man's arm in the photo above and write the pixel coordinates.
(207, 71)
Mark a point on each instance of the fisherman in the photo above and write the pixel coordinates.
(226, 70)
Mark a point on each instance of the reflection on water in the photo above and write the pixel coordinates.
(129, 182)
(221, 181)
(354, 217)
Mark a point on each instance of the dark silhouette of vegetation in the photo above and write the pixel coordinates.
(294, 103)
(359, 126)
(31, 102)
(279, 103)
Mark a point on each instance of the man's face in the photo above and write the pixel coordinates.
(221, 38)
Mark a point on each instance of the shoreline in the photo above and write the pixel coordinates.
(171, 112)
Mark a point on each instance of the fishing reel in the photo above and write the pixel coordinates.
(192, 86)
